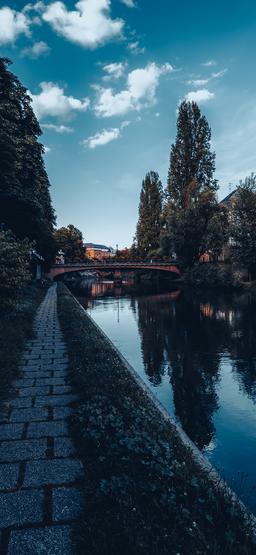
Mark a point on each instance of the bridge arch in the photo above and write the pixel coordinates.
(62, 269)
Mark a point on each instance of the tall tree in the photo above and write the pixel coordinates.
(191, 190)
(191, 159)
(70, 240)
(150, 210)
(243, 226)
(25, 203)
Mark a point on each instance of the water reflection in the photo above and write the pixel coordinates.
(198, 354)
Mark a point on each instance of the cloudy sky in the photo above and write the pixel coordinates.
(106, 77)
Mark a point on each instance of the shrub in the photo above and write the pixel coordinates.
(211, 276)
(14, 268)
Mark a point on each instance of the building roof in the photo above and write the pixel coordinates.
(228, 198)
(96, 247)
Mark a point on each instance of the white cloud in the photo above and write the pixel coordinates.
(115, 70)
(200, 96)
(47, 149)
(219, 74)
(203, 82)
(37, 7)
(198, 82)
(89, 25)
(135, 48)
(38, 49)
(105, 136)
(52, 101)
(209, 63)
(140, 92)
(128, 3)
(12, 24)
(57, 128)
(102, 138)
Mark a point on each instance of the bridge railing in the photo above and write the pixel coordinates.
(109, 263)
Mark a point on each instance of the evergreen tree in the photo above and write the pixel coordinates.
(243, 226)
(150, 210)
(70, 240)
(192, 216)
(25, 203)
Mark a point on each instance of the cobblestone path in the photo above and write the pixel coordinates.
(39, 473)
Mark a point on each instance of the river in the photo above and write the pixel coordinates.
(197, 353)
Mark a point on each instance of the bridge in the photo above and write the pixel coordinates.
(117, 267)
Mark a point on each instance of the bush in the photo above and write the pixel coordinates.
(212, 276)
(16, 327)
(14, 268)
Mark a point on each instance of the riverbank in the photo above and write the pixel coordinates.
(145, 491)
(16, 327)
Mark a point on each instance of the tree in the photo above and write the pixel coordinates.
(150, 210)
(25, 203)
(192, 216)
(70, 240)
(243, 226)
(191, 158)
(14, 268)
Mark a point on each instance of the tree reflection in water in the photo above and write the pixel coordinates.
(186, 337)
(193, 333)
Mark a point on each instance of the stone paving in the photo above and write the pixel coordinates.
(40, 475)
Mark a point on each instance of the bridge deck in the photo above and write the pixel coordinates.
(59, 269)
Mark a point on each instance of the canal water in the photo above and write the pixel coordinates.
(197, 353)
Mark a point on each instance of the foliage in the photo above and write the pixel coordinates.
(193, 220)
(191, 157)
(70, 240)
(123, 255)
(25, 203)
(14, 268)
(15, 328)
(243, 226)
(150, 209)
(213, 276)
(144, 493)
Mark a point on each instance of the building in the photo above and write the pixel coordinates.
(230, 200)
(98, 252)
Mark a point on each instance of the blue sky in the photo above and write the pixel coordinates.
(106, 78)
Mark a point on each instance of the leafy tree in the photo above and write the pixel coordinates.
(191, 158)
(70, 240)
(123, 255)
(193, 219)
(14, 268)
(150, 209)
(25, 203)
(243, 226)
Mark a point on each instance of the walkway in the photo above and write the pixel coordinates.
(39, 473)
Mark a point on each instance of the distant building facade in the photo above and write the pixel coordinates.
(98, 252)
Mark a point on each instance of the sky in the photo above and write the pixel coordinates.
(106, 78)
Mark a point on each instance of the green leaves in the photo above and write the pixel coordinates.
(25, 203)
(150, 210)
(14, 268)
(70, 240)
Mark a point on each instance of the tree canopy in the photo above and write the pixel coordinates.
(70, 240)
(243, 228)
(150, 210)
(193, 220)
(25, 203)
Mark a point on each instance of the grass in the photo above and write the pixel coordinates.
(15, 328)
(144, 492)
